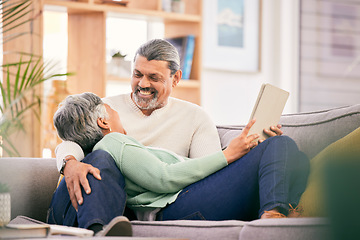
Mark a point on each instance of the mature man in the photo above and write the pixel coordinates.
(150, 116)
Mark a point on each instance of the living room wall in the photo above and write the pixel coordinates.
(229, 97)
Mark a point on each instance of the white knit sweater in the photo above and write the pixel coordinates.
(179, 126)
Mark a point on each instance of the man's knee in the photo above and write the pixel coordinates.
(282, 140)
(109, 171)
(99, 158)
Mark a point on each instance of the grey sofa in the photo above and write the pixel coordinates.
(33, 180)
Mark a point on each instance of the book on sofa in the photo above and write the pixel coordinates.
(24, 227)
(17, 231)
(268, 108)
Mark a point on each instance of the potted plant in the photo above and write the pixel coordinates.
(5, 205)
(19, 88)
(119, 66)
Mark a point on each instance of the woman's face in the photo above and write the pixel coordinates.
(114, 120)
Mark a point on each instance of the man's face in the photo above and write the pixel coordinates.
(152, 84)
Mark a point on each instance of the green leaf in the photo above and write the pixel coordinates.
(3, 95)
(16, 84)
(14, 12)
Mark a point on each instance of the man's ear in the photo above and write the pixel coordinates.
(177, 77)
(103, 124)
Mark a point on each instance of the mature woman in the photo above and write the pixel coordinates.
(231, 184)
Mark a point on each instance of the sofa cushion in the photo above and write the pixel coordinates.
(32, 182)
(286, 228)
(312, 131)
(313, 199)
(190, 229)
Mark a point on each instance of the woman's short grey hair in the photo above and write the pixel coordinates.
(162, 50)
(76, 120)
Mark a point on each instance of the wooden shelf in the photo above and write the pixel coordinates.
(118, 79)
(142, 13)
(189, 84)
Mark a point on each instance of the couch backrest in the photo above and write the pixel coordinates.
(32, 182)
(312, 131)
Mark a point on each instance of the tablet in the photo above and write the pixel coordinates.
(268, 108)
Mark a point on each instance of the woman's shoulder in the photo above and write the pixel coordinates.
(119, 137)
(114, 140)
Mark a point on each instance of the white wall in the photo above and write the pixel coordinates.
(229, 96)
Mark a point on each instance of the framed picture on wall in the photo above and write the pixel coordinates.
(232, 35)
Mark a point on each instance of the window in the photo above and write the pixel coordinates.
(125, 35)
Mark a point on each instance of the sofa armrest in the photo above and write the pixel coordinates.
(32, 181)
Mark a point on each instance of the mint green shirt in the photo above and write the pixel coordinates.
(154, 177)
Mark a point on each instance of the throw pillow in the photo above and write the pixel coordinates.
(312, 201)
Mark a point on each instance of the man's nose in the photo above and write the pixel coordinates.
(144, 82)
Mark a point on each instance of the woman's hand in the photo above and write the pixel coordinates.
(274, 131)
(242, 144)
(75, 173)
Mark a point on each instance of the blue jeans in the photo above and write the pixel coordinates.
(273, 174)
(106, 200)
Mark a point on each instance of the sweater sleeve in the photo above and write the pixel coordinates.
(68, 148)
(151, 173)
(147, 170)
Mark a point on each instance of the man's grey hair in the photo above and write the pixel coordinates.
(76, 120)
(161, 50)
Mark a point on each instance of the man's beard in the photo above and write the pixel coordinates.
(146, 104)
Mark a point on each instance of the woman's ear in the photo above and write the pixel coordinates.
(103, 124)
